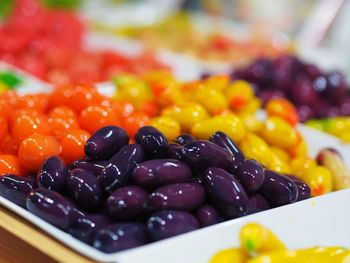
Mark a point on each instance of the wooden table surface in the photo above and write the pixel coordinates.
(23, 242)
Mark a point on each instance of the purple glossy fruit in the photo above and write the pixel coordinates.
(226, 193)
(169, 223)
(83, 187)
(118, 171)
(181, 196)
(184, 139)
(174, 151)
(119, 237)
(257, 203)
(16, 188)
(52, 174)
(84, 228)
(261, 71)
(51, 206)
(221, 139)
(304, 191)
(106, 142)
(344, 106)
(203, 154)
(152, 141)
(126, 202)
(251, 175)
(207, 216)
(155, 173)
(278, 189)
(312, 71)
(303, 92)
(94, 166)
(336, 87)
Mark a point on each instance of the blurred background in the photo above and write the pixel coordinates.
(195, 37)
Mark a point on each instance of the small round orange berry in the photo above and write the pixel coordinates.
(35, 149)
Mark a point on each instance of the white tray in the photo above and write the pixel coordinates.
(322, 220)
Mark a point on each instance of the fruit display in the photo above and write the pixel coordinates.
(106, 151)
(49, 44)
(259, 244)
(201, 108)
(316, 93)
(34, 127)
(186, 38)
(147, 190)
(55, 124)
(187, 154)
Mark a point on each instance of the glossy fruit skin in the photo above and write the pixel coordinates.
(106, 142)
(203, 154)
(84, 228)
(62, 119)
(184, 139)
(168, 126)
(94, 117)
(72, 145)
(155, 173)
(228, 123)
(152, 141)
(119, 168)
(16, 188)
(28, 124)
(94, 166)
(169, 223)
(180, 196)
(186, 113)
(278, 132)
(134, 122)
(51, 206)
(35, 149)
(207, 215)
(251, 175)
(226, 193)
(278, 189)
(221, 139)
(304, 191)
(256, 203)
(52, 174)
(10, 164)
(174, 151)
(126, 202)
(119, 237)
(83, 187)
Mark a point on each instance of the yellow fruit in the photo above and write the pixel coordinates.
(230, 255)
(256, 148)
(319, 179)
(255, 238)
(229, 124)
(276, 131)
(168, 126)
(186, 114)
(251, 123)
(211, 99)
(278, 165)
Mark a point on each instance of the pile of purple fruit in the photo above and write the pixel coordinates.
(316, 94)
(125, 195)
